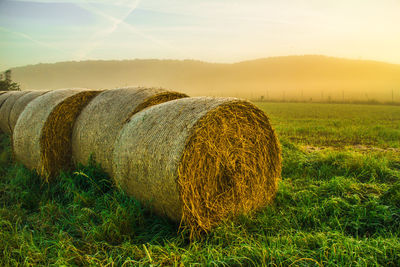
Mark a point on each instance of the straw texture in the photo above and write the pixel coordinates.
(20, 105)
(199, 160)
(42, 135)
(6, 108)
(3, 96)
(99, 123)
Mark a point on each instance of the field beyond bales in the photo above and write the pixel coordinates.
(338, 204)
(359, 127)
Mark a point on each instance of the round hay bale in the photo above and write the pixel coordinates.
(20, 105)
(199, 160)
(99, 123)
(6, 107)
(42, 135)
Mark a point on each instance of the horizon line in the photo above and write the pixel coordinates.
(205, 61)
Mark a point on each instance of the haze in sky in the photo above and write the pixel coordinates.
(35, 31)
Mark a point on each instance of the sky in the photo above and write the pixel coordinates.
(46, 31)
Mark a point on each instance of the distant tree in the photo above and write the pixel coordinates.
(7, 74)
(7, 84)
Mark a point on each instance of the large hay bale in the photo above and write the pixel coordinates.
(199, 160)
(20, 105)
(99, 123)
(6, 107)
(42, 135)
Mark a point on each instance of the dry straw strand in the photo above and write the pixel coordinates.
(6, 108)
(99, 123)
(199, 160)
(42, 135)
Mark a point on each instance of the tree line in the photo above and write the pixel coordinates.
(6, 83)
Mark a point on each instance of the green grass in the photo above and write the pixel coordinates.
(337, 125)
(337, 206)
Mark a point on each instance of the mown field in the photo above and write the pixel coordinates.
(338, 204)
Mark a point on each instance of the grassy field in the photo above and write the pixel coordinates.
(338, 204)
(337, 125)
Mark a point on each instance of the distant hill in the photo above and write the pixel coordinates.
(288, 78)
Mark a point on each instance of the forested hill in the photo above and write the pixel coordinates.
(288, 78)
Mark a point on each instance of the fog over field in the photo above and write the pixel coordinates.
(299, 78)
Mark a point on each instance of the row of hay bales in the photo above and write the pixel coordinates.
(198, 160)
